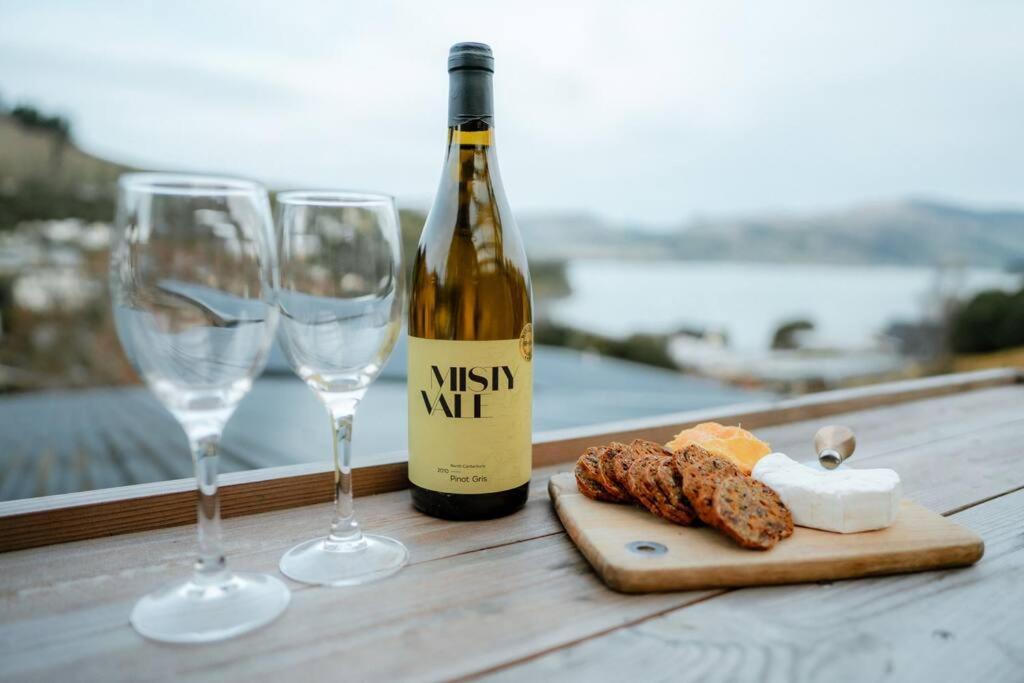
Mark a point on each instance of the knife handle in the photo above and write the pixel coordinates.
(834, 444)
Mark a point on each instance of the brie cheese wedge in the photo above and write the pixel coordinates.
(843, 500)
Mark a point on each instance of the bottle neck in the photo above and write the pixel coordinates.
(460, 137)
(470, 99)
(471, 166)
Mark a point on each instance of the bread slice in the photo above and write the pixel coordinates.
(622, 457)
(686, 488)
(701, 471)
(640, 479)
(672, 502)
(606, 469)
(750, 513)
(662, 500)
(588, 480)
(643, 447)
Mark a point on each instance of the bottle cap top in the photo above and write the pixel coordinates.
(471, 56)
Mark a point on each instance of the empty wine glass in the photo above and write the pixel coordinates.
(340, 300)
(191, 282)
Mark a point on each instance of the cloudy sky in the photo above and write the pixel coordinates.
(649, 112)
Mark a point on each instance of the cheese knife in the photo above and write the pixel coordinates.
(834, 444)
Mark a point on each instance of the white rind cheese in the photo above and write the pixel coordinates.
(843, 500)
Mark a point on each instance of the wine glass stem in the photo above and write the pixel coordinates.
(210, 567)
(345, 532)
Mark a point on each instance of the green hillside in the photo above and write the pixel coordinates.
(43, 174)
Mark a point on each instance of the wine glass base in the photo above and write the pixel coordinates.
(323, 563)
(192, 612)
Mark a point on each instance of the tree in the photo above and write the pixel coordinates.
(30, 117)
(788, 333)
(991, 321)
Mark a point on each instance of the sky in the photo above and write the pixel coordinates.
(641, 112)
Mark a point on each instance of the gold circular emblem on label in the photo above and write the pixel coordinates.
(526, 342)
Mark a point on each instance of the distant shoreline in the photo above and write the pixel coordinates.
(849, 304)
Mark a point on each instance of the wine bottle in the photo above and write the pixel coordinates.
(470, 331)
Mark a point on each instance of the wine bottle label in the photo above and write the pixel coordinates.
(469, 414)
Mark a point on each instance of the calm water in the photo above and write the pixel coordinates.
(848, 304)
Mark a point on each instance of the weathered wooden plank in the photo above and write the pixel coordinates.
(549, 447)
(933, 477)
(887, 428)
(975, 466)
(956, 625)
(252, 541)
(91, 514)
(151, 506)
(477, 596)
(923, 472)
(461, 609)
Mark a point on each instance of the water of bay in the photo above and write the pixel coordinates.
(849, 305)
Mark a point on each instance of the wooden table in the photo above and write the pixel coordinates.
(512, 599)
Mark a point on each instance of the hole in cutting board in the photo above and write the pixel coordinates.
(646, 548)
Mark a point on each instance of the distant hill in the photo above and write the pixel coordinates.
(43, 174)
(898, 232)
(553, 237)
(910, 231)
(40, 153)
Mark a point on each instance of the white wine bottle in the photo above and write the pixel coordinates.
(470, 332)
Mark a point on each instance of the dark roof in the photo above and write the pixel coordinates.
(56, 442)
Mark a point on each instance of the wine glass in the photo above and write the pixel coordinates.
(191, 279)
(340, 299)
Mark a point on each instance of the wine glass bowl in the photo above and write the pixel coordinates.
(340, 300)
(340, 288)
(191, 281)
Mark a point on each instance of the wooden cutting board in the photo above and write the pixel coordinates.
(635, 552)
